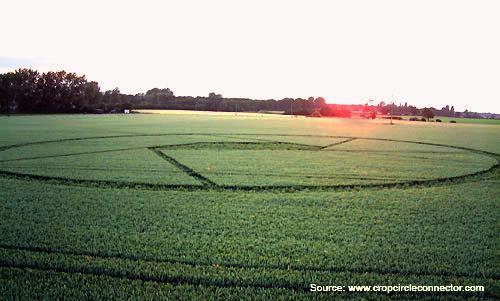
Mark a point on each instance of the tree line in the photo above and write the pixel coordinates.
(29, 91)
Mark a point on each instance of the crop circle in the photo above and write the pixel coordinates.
(252, 162)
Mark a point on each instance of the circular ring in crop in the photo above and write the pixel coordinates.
(293, 175)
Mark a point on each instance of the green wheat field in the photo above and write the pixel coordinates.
(248, 206)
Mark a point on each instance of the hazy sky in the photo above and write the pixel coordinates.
(423, 52)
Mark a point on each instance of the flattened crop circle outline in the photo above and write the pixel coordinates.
(207, 184)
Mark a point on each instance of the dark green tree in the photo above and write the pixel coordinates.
(427, 113)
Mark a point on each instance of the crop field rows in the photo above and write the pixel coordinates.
(192, 270)
(230, 215)
(238, 274)
(216, 274)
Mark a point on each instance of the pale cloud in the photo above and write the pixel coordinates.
(423, 52)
